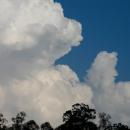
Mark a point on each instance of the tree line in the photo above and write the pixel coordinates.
(80, 117)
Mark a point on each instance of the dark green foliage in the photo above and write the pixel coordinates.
(3, 122)
(20, 117)
(46, 126)
(80, 117)
(104, 120)
(118, 126)
(80, 113)
(30, 125)
(87, 126)
(18, 121)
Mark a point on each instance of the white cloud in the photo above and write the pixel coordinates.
(23, 24)
(109, 96)
(47, 94)
(33, 35)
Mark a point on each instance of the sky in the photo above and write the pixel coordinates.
(106, 26)
(56, 54)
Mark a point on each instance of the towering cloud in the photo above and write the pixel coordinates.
(33, 35)
(108, 95)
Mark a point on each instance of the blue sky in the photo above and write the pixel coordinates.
(106, 26)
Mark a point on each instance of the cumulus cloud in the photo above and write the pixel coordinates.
(33, 35)
(47, 94)
(109, 96)
(25, 23)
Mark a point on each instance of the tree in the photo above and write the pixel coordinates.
(80, 113)
(119, 126)
(31, 125)
(90, 126)
(104, 121)
(46, 126)
(18, 121)
(79, 118)
(3, 122)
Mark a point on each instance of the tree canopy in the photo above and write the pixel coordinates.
(80, 117)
